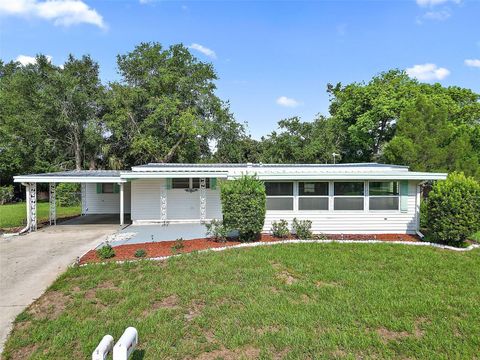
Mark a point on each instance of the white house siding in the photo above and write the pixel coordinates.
(106, 203)
(146, 199)
(183, 205)
(354, 222)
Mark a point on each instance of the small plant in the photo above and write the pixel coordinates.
(302, 228)
(217, 231)
(280, 228)
(106, 252)
(140, 253)
(68, 194)
(178, 245)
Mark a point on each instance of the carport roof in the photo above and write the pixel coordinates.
(74, 176)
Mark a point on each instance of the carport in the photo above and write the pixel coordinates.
(87, 179)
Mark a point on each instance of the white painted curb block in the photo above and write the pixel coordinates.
(126, 345)
(103, 348)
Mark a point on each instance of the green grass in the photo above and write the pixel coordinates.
(476, 236)
(292, 301)
(14, 215)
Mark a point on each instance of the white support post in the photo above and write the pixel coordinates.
(84, 199)
(53, 205)
(32, 203)
(27, 204)
(203, 199)
(163, 202)
(121, 204)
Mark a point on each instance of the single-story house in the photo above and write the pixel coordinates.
(342, 198)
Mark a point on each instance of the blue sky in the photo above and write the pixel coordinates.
(274, 58)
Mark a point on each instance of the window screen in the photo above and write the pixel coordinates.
(348, 203)
(279, 188)
(181, 183)
(313, 203)
(313, 188)
(279, 203)
(354, 188)
(107, 188)
(383, 188)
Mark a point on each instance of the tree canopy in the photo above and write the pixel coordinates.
(164, 108)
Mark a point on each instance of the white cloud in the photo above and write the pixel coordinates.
(473, 62)
(204, 50)
(437, 15)
(287, 102)
(425, 3)
(61, 12)
(428, 72)
(27, 60)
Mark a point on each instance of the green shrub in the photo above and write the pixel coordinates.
(280, 228)
(178, 245)
(139, 253)
(423, 214)
(454, 209)
(106, 252)
(217, 231)
(6, 194)
(302, 228)
(244, 206)
(68, 194)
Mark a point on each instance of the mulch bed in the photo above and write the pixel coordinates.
(165, 248)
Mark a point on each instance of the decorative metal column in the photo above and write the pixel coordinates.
(163, 203)
(53, 205)
(84, 198)
(121, 204)
(32, 202)
(203, 199)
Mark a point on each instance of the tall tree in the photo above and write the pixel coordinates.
(427, 141)
(164, 109)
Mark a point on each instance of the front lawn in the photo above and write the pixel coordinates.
(292, 301)
(14, 215)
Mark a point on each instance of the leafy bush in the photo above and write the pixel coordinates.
(280, 228)
(244, 206)
(68, 194)
(423, 214)
(302, 228)
(6, 194)
(454, 209)
(178, 245)
(106, 252)
(139, 253)
(217, 231)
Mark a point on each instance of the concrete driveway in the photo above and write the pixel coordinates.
(30, 263)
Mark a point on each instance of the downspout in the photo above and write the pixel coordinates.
(27, 227)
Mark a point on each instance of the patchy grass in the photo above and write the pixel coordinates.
(14, 215)
(291, 301)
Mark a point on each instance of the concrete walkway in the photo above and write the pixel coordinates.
(30, 263)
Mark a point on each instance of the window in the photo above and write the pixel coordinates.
(279, 195)
(348, 195)
(107, 188)
(181, 183)
(189, 183)
(384, 195)
(313, 196)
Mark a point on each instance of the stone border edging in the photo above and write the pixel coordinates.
(297, 241)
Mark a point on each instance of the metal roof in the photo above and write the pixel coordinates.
(260, 165)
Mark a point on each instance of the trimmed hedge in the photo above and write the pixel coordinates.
(244, 206)
(453, 209)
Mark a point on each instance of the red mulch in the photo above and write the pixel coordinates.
(164, 248)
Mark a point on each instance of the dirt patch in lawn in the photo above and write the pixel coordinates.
(195, 310)
(389, 335)
(24, 352)
(49, 306)
(227, 354)
(164, 248)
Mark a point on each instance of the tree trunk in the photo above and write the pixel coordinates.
(92, 165)
(78, 151)
(167, 158)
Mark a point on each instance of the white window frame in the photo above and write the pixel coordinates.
(384, 196)
(298, 197)
(364, 196)
(294, 195)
